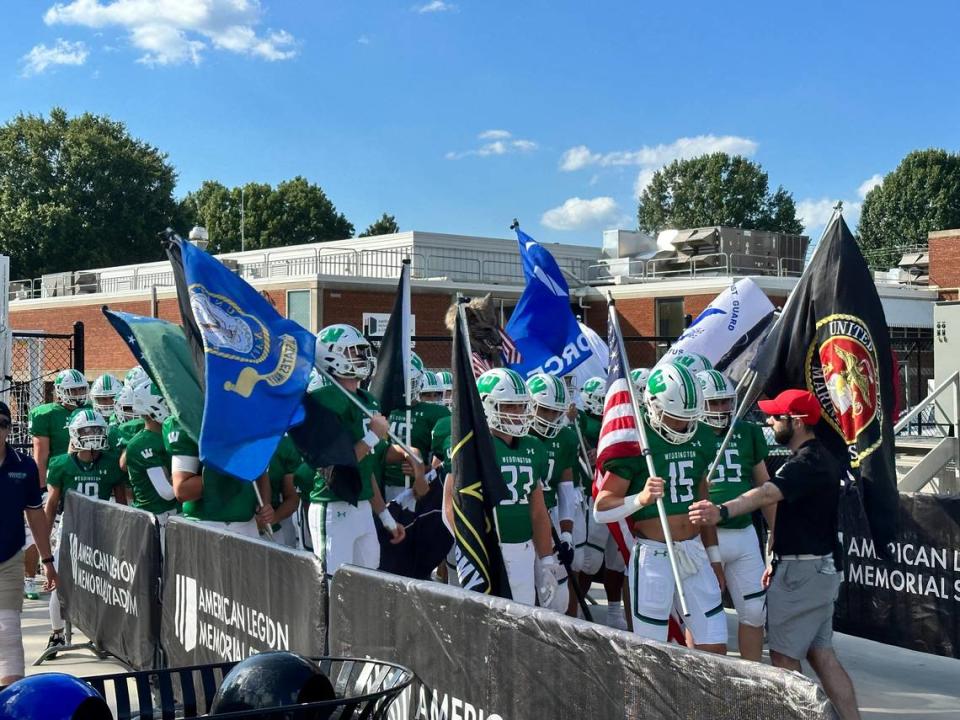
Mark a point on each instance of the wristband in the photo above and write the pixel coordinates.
(47, 560)
(713, 552)
(387, 520)
(371, 439)
(548, 560)
(724, 513)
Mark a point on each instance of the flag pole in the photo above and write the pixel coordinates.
(407, 376)
(585, 457)
(260, 504)
(364, 409)
(645, 450)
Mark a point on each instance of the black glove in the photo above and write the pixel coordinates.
(565, 550)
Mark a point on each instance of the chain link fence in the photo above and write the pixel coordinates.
(36, 358)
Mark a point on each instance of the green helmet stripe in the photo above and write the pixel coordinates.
(689, 391)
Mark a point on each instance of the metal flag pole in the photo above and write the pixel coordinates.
(260, 504)
(584, 455)
(645, 450)
(407, 375)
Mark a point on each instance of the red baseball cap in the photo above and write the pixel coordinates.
(798, 403)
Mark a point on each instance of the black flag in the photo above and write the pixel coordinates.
(478, 484)
(389, 384)
(832, 340)
(189, 322)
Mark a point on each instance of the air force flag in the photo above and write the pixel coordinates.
(257, 366)
(543, 326)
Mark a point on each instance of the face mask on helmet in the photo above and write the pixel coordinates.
(123, 406)
(719, 397)
(343, 352)
(71, 388)
(103, 393)
(430, 390)
(88, 431)
(445, 378)
(506, 403)
(674, 403)
(147, 401)
(593, 394)
(549, 397)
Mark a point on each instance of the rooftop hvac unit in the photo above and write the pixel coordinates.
(86, 282)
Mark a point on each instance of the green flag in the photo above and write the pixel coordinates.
(161, 349)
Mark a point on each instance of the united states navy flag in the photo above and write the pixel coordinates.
(256, 364)
(543, 326)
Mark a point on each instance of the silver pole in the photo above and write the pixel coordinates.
(645, 449)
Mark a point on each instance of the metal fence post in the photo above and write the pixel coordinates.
(78, 343)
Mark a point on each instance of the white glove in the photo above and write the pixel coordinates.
(549, 580)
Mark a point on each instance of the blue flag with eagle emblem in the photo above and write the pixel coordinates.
(542, 326)
(256, 363)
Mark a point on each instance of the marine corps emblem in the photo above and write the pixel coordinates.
(843, 372)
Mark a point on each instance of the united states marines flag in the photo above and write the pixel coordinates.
(832, 340)
(478, 484)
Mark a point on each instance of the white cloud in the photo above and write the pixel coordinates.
(869, 184)
(651, 158)
(363, 40)
(171, 32)
(63, 52)
(435, 6)
(815, 213)
(578, 214)
(501, 142)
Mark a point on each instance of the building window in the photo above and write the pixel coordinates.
(298, 307)
(669, 322)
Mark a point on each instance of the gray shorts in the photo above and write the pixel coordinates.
(11, 583)
(800, 606)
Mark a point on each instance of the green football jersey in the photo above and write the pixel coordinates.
(440, 443)
(357, 424)
(561, 454)
(97, 478)
(285, 461)
(303, 480)
(120, 435)
(50, 421)
(224, 498)
(424, 416)
(734, 474)
(681, 466)
(590, 430)
(144, 452)
(523, 467)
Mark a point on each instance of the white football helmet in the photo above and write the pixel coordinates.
(147, 400)
(639, 377)
(343, 352)
(123, 405)
(416, 376)
(431, 391)
(88, 430)
(692, 362)
(717, 391)
(549, 397)
(103, 393)
(594, 394)
(70, 388)
(446, 384)
(135, 376)
(501, 387)
(673, 394)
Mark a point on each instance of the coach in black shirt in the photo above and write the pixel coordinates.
(804, 585)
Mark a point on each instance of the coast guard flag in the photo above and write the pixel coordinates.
(256, 364)
(543, 326)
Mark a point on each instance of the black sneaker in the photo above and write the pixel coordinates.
(56, 640)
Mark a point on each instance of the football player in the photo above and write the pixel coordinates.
(549, 396)
(445, 378)
(740, 469)
(343, 533)
(103, 395)
(48, 422)
(523, 523)
(87, 468)
(145, 458)
(598, 549)
(284, 497)
(128, 421)
(209, 496)
(682, 450)
(431, 388)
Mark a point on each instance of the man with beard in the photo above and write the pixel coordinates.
(803, 582)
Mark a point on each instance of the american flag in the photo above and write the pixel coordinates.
(618, 430)
(508, 353)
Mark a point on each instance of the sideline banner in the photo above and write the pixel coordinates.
(226, 597)
(913, 600)
(478, 656)
(110, 577)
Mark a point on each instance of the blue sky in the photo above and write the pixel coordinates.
(458, 116)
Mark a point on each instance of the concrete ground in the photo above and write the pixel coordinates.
(890, 682)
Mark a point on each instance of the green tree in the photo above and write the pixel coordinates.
(293, 213)
(384, 225)
(715, 189)
(920, 196)
(80, 192)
